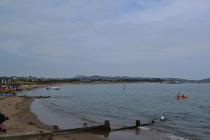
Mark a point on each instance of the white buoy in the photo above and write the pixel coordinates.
(163, 117)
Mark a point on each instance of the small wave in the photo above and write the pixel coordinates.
(144, 128)
(168, 134)
(174, 137)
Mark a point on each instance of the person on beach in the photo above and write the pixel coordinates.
(3, 118)
(2, 129)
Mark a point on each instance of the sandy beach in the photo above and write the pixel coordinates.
(20, 117)
(21, 120)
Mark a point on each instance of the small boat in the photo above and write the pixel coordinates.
(181, 97)
(53, 88)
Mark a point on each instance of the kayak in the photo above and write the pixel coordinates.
(180, 97)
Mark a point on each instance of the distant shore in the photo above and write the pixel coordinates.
(15, 80)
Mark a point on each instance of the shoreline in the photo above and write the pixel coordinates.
(22, 120)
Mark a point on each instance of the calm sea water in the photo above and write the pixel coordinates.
(122, 104)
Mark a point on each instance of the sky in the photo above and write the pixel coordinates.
(143, 38)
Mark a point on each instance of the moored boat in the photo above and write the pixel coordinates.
(52, 88)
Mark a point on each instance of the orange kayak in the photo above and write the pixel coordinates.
(181, 97)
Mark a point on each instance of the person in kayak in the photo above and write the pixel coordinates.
(178, 96)
(181, 96)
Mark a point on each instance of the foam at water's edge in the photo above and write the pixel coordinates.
(170, 136)
(144, 128)
(174, 137)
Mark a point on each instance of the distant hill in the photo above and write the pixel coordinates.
(205, 80)
(132, 79)
(95, 79)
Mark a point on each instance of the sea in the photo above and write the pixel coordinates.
(123, 104)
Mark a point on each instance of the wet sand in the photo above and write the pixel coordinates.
(20, 117)
(22, 121)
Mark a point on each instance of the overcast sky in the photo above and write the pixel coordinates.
(145, 38)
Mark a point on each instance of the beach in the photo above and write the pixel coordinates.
(22, 121)
(20, 118)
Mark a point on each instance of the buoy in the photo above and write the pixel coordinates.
(163, 118)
